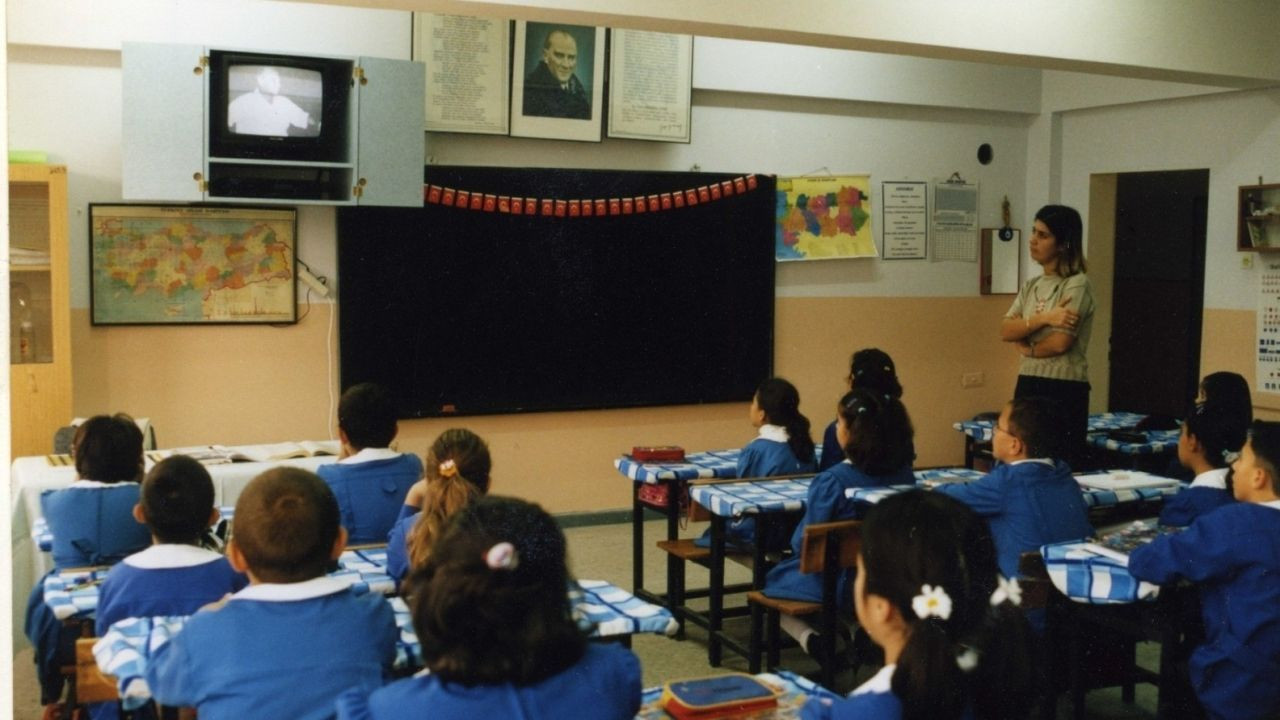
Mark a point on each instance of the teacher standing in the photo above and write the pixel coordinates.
(1050, 321)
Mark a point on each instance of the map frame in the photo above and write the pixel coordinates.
(276, 289)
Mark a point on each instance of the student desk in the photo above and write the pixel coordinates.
(1094, 497)
(1148, 453)
(608, 611)
(794, 689)
(979, 432)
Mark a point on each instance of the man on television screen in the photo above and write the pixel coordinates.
(264, 111)
(552, 89)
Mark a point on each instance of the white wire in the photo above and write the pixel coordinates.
(328, 353)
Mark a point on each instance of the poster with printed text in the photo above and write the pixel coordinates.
(824, 218)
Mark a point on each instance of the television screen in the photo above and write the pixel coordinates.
(278, 101)
(460, 311)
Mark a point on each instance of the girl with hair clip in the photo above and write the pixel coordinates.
(870, 369)
(492, 609)
(929, 593)
(876, 434)
(457, 472)
(782, 447)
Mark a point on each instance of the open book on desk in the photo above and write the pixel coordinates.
(1123, 480)
(1119, 543)
(218, 454)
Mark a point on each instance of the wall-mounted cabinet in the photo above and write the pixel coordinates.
(210, 125)
(1259, 218)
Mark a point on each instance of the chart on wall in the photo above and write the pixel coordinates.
(823, 218)
(1268, 350)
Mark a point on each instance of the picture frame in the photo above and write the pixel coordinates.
(192, 265)
(468, 72)
(650, 86)
(564, 102)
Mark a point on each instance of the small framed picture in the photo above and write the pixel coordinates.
(558, 81)
(467, 72)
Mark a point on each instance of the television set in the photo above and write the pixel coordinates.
(264, 106)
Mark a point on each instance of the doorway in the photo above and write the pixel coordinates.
(1158, 294)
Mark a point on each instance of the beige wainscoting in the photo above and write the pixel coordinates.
(253, 384)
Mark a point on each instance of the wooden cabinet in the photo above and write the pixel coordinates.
(1259, 218)
(39, 307)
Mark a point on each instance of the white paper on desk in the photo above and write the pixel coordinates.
(1123, 480)
(1107, 552)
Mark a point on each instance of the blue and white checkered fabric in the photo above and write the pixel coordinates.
(1092, 497)
(611, 611)
(710, 464)
(44, 538)
(765, 496)
(981, 430)
(1089, 577)
(366, 571)
(938, 476)
(873, 495)
(125, 650)
(408, 648)
(1107, 498)
(794, 692)
(72, 593)
(1158, 442)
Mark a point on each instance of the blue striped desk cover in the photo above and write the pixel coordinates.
(1093, 497)
(700, 465)
(1158, 442)
(795, 691)
(43, 538)
(750, 498)
(980, 430)
(1090, 577)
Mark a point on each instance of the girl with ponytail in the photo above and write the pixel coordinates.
(457, 472)
(929, 592)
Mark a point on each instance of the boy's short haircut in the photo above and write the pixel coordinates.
(1217, 429)
(1037, 422)
(1264, 438)
(285, 525)
(177, 498)
(367, 415)
(108, 448)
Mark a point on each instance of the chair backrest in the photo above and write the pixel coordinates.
(836, 542)
(1034, 580)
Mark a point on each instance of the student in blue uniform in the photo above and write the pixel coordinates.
(872, 369)
(1230, 553)
(498, 637)
(175, 576)
(876, 435)
(928, 593)
(1210, 435)
(285, 646)
(369, 479)
(92, 524)
(458, 466)
(782, 447)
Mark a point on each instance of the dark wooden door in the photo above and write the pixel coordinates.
(1158, 298)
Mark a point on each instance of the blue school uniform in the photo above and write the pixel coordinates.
(92, 523)
(1233, 555)
(1207, 492)
(370, 487)
(1027, 504)
(768, 455)
(161, 580)
(826, 502)
(603, 685)
(398, 543)
(873, 700)
(276, 651)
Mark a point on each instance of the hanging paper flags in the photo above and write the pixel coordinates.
(582, 207)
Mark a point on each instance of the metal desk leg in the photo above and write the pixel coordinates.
(637, 541)
(715, 614)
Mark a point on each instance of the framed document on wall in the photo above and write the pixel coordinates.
(468, 86)
(650, 83)
(558, 81)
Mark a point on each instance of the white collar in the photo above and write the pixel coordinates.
(98, 484)
(368, 454)
(1042, 461)
(881, 682)
(776, 433)
(1216, 479)
(287, 592)
(1273, 504)
(166, 555)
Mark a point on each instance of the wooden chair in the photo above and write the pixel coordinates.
(681, 551)
(829, 549)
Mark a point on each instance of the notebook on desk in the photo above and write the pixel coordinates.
(1123, 480)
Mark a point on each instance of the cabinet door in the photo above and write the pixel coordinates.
(392, 142)
(163, 124)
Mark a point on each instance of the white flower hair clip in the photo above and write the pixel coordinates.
(1006, 589)
(502, 556)
(932, 602)
(967, 659)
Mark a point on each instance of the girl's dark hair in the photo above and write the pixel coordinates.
(873, 369)
(780, 402)
(481, 625)
(1218, 429)
(449, 487)
(880, 432)
(1068, 232)
(913, 539)
(108, 448)
(1230, 391)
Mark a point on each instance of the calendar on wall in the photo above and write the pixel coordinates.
(1268, 348)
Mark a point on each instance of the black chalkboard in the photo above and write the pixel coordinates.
(461, 311)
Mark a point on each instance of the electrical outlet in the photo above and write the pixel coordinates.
(972, 380)
(1246, 260)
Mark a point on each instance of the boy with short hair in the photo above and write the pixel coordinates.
(1231, 553)
(175, 576)
(370, 480)
(1030, 498)
(288, 644)
(1209, 436)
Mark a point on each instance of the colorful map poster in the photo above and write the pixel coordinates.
(820, 218)
(176, 264)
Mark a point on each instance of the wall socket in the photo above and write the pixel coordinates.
(1246, 260)
(972, 380)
